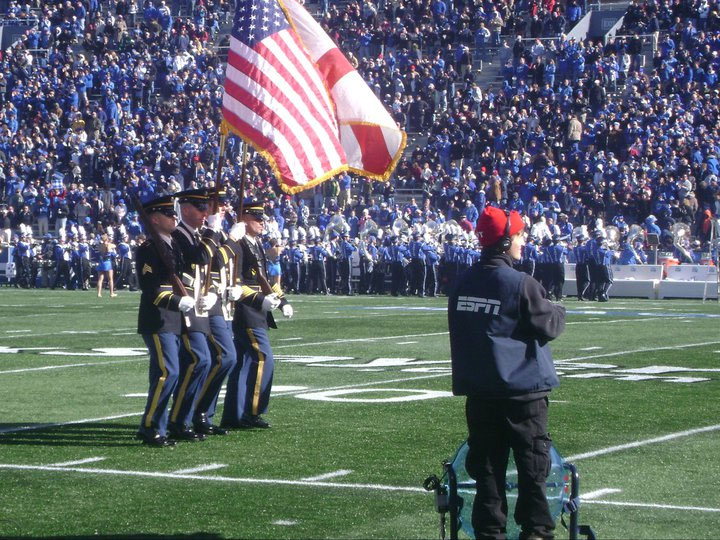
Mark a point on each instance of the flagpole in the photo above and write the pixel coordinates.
(242, 197)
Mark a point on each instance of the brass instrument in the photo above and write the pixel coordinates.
(681, 240)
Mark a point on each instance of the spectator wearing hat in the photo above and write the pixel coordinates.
(500, 322)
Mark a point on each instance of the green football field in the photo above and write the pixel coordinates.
(361, 414)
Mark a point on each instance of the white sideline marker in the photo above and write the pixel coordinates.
(406, 342)
(590, 348)
(201, 468)
(598, 493)
(637, 444)
(285, 522)
(290, 339)
(77, 462)
(334, 474)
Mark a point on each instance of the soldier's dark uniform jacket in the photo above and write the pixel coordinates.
(221, 275)
(196, 254)
(158, 304)
(494, 354)
(248, 310)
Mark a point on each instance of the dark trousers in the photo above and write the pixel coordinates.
(418, 277)
(318, 282)
(345, 276)
(431, 279)
(250, 382)
(223, 359)
(194, 368)
(558, 279)
(495, 427)
(582, 278)
(163, 349)
(399, 283)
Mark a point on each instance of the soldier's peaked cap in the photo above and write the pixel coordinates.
(158, 204)
(253, 207)
(195, 196)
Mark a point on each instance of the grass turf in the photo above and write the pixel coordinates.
(389, 445)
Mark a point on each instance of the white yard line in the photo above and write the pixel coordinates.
(598, 493)
(77, 462)
(651, 505)
(645, 442)
(62, 366)
(303, 483)
(201, 468)
(361, 340)
(280, 394)
(327, 476)
(644, 349)
(222, 479)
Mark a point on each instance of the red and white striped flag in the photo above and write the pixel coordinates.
(291, 93)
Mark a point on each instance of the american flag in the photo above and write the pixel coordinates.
(293, 95)
(276, 98)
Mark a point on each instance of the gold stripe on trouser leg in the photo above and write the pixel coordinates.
(161, 381)
(215, 368)
(258, 376)
(186, 380)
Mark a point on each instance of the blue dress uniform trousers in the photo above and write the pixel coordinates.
(194, 368)
(224, 358)
(249, 383)
(164, 370)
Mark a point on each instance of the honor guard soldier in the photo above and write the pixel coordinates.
(160, 320)
(250, 382)
(221, 282)
(196, 252)
(500, 322)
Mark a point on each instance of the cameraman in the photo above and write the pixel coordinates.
(500, 322)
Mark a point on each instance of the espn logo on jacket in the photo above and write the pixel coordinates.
(474, 304)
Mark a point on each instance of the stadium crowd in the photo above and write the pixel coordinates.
(102, 99)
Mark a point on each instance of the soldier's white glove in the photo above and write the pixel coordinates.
(234, 293)
(215, 222)
(287, 311)
(270, 302)
(237, 231)
(207, 302)
(186, 304)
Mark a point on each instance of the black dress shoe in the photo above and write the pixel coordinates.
(186, 434)
(252, 422)
(155, 440)
(207, 428)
